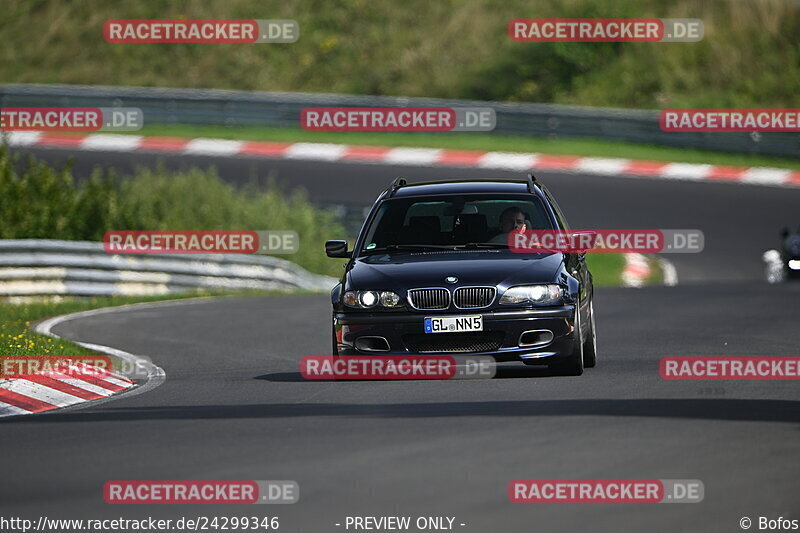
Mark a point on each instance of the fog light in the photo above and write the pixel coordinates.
(536, 337)
(372, 344)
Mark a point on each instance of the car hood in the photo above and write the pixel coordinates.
(486, 267)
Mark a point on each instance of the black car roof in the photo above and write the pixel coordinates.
(477, 186)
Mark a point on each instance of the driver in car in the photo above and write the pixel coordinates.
(512, 219)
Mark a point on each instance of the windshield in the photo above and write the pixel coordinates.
(451, 222)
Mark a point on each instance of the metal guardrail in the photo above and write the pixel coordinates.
(238, 108)
(32, 267)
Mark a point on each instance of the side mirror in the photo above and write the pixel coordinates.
(584, 240)
(336, 249)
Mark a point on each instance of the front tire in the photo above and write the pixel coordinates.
(334, 342)
(590, 346)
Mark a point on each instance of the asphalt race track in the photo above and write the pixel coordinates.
(234, 406)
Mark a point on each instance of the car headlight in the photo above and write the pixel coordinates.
(389, 299)
(535, 294)
(370, 299)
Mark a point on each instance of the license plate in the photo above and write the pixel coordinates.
(453, 324)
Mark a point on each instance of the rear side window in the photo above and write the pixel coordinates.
(560, 218)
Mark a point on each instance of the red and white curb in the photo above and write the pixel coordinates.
(514, 161)
(637, 270)
(77, 384)
(68, 384)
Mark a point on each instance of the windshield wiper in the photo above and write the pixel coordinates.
(410, 247)
(486, 245)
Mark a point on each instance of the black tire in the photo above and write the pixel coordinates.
(335, 350)
(572, 365)
(334, 343)
(590, 346)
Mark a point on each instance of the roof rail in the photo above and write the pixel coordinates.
(531, 181)
(396, 184)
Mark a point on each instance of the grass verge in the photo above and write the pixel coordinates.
(606, 269)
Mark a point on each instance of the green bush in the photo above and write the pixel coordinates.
(41, 202)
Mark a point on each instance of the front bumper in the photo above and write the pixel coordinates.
(500, 338)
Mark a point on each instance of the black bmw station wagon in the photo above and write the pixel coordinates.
(432, 272)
